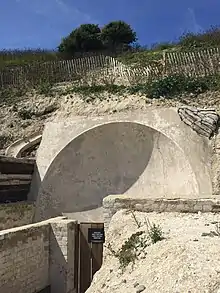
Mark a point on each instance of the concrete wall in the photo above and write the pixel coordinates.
(62, 256)
(37, 256)
(114, 203)
(16, 214)
(154, 154)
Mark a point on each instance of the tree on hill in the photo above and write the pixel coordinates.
(117, 34)
(89, 37)
(83, 39)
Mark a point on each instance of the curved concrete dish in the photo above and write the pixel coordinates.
(18, 147)
(82, 160)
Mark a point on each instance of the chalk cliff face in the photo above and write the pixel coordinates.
(205, 122)
(23, 116)
(187, 260)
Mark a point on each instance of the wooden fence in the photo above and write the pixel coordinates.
(196, 63)
(88, 253)
(51, 71)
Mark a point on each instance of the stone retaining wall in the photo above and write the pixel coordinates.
(113, 203)
(16, 214)
(37, 257)
(24, 259)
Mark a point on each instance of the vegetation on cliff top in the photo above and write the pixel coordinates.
(116, 38)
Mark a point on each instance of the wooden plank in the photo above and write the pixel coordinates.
(15, 187)
(13, 182)
(13, 196)
(97, 251)
(76, 258)
(85, 258)
(4, 159)
(16, 166)
(4, 177)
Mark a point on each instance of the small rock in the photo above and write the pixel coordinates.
(195, 239)
(136, 284)
(124, 281)
(140, 288)
(206, 224)
(205, 234)
(103, 285)
(213, 233)
(155, 279)
(142, 255)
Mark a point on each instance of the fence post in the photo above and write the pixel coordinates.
(164, 63)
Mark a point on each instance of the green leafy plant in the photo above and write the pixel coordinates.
(84, 38)
(155, 233)
(128, 252)
(44, 88)
(25, 114)
(179, 84)
(202, 39)
(117, 34)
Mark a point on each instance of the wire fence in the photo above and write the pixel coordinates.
(196, 63)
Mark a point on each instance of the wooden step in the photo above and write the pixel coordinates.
(21, 177)
(16, 166)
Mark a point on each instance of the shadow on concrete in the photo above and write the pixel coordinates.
(105, 160)
(45, 290)
(57, 265)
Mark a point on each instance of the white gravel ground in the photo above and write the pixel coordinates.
(188, 260)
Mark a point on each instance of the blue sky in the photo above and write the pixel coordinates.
(42, 23)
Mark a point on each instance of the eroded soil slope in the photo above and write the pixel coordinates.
(22, 116)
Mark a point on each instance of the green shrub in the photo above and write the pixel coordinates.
(162, 46)
(165, 87)
(179, 84)
(128, 252)
(155, 233)
(136, 243)
(44, 88)
(203, 39)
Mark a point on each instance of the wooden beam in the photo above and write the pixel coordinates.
(16, 166)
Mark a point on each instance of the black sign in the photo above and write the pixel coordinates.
(96, 235)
